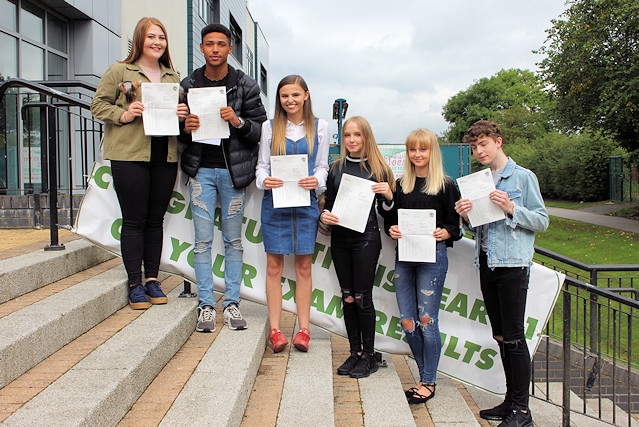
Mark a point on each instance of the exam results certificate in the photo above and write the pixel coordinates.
(206, 102)
(160, 109)
(477, 187)
(291, 169)
(353, 202)
(417, 243)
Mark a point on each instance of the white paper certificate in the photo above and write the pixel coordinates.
(417, 243)
(477, 187)
(291, 169)
(205, 102)
(353, 202)
(160, 109)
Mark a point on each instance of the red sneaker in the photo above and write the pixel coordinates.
(278, 340)
(301, 339)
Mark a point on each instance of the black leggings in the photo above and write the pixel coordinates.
(144, 190)
(355, 261)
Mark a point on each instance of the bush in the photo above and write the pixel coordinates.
(569, 167)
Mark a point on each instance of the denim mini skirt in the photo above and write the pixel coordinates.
(289, 230)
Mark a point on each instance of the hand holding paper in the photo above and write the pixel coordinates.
(477, 187)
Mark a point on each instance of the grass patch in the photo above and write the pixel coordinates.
(590, 244)
(569, 204)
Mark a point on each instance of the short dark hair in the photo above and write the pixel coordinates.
(217, 28)
(482, 127)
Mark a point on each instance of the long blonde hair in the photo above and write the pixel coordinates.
(137, 45)
(436, 179)
(378, 167)
(278, 143)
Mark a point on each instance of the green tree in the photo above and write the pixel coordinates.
(515, 99)
(592, 67)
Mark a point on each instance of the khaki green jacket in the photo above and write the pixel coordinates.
(126, 141)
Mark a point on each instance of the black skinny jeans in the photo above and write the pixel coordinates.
(144, 190)
(505, 290)
(355, 260)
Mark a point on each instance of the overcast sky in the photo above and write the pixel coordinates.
(398, 63)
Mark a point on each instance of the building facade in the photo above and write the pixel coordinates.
(77, 40)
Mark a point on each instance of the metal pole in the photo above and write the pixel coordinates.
(53, 182)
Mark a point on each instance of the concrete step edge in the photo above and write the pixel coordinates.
(101, 388)
(26, 273)
(556, 396)
(218, 390)
(33, 333)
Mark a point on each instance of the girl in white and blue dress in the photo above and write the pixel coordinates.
(293, 130)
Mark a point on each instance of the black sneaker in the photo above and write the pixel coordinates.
(497, 413)
(347, 367)
(364, 367)
(517, 418)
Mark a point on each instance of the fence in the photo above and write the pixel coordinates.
(591, 343)
(624, 180)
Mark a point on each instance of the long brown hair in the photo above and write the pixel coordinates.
(137, 45)
(370, 151)
(278, 143)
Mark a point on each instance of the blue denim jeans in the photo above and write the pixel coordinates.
(205, 188)
(418, 288)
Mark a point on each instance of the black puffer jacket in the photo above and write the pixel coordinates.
(240, 149)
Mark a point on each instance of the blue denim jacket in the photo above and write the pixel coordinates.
(511, 241)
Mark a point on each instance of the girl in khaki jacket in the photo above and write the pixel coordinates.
(143, 167)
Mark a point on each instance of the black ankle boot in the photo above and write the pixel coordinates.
(365, 366)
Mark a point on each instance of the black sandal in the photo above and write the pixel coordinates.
(412, 390)
(416, 398)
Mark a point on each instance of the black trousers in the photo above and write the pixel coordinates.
(355, 260)
(505, 290)
(144, 190)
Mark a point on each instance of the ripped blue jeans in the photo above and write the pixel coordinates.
(418, 288)
(205, 188)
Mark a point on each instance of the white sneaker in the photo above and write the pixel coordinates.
(233, 318)
(205, 319)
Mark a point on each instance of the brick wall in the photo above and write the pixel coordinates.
(32, 210)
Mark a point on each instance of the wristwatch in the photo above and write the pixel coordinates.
(241, 123)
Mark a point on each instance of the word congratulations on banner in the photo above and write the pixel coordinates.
(469, 353)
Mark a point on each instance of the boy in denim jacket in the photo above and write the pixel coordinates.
(503, 252)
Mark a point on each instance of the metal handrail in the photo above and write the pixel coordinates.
(46, 88)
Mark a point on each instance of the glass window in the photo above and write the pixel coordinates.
(236, 33)
(56, 67)
(263, 80)
(9, 57)
(32, 22)
(32, 62)
(56, 33)
(8, 17)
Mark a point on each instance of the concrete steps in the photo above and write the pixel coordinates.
(73, 353)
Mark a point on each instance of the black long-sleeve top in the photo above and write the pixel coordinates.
(443, 203)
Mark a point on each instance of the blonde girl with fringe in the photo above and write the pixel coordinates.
(355, 254)
(419, 285)
(293, 130)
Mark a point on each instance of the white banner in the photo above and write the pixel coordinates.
(469, 353)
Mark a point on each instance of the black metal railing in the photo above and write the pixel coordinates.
(588, 348)
(77, 146)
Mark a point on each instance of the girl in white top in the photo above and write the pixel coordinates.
(293, 130)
